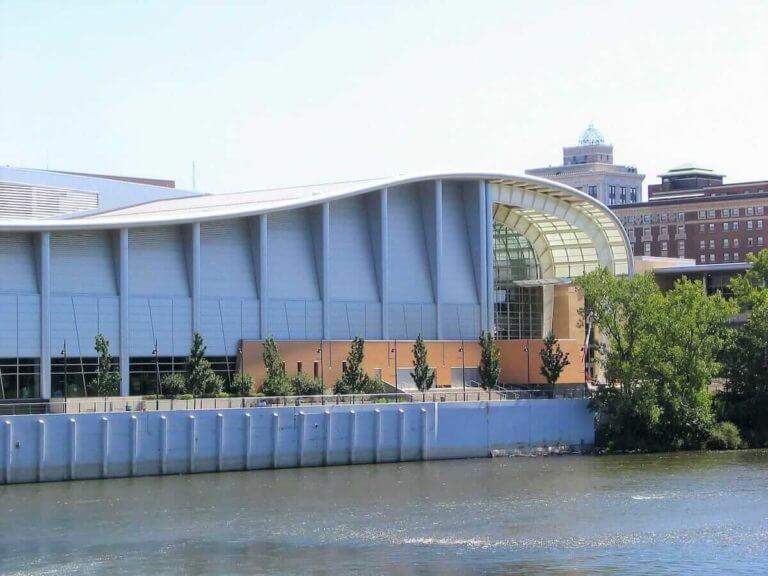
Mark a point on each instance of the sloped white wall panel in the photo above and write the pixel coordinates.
(157, 262)
(82, 263)
(17, 260)
(409, 274)
(226, 260)
(458, 273)
(353, 270)
(291, 270)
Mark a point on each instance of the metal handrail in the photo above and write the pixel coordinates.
(145, 404)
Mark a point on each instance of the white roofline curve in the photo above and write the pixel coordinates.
(210, 207)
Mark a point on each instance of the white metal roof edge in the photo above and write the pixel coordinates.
(187, 214)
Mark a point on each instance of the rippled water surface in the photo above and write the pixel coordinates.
(669, 514)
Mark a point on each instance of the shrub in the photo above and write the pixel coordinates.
(305, 385)
(184, 397)
(173, 384)
(277, 386)
(240, 385)
(724, 436)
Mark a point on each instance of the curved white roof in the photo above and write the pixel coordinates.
(570, 231)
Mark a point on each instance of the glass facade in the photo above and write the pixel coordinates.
(518, 309)
(19, 378)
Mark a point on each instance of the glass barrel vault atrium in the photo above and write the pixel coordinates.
(517, 309)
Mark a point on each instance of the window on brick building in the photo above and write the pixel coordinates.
(735, 256)
(711, 227)
(735, 242)
(647, 248)
(702, 228)
(726, 257)
(593, 191)
(759, 240)
(726, 226)
(725, 212)
(702, 258)
(702, 214)
(749, 224)
(759, 210)
(711, 257)
(663, 246)
(735, 212)
(750, 211)
(735, 226)
(710, 213)
(702, 244)
(681, 248)
(681, 229)
(750, 241)
(633, 194)
(711, 244)
(726, 243)
(681, 216)
(759, 224)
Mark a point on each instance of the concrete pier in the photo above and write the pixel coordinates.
(53, 447)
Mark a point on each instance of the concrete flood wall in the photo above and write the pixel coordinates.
(55, 447)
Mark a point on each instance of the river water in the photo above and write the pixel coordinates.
(704, 513)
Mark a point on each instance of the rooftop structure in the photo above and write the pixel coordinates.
(589, 167)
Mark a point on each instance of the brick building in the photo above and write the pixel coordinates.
(694, 214)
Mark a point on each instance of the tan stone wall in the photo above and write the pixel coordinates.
(517, 364)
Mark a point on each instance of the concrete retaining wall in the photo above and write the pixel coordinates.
(111, 445)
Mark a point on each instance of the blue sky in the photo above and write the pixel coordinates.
(279, 93)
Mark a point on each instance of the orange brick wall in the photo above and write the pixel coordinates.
(518, 366)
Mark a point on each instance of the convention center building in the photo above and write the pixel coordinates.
(444, 256)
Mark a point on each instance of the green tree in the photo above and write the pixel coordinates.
(660, 354)
(490, 366)
(174, 384)
(744, 398)
(423, 376)
(107, 381)
(553, 360)
(276, 382)
(201, 379)
(355, 380)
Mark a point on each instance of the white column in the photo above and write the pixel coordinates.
(263, 292)
(326, 271)
(45, 314)
(125, 347)
(195, 240)
(489, 250)
(384, 239)
(484, 325)
(439, 257)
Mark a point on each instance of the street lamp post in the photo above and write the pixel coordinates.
(322, 374)
(397, 388)
(463, 379)
(64, 356)
(157, 377)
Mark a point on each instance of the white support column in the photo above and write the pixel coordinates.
(45, 314)
(489, 250)
(484, 324)
(125, 347)
(439, 257)
(263, 291)
(195, 240)
(326, 271)
(384, 289)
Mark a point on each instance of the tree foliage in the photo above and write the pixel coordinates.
(423, 376)
(276, 382)
(173, 384)
(240, 385)
(355, 380)
(660, 353)
(201, 379)
(490, 366)
(107, 381)
(744, 398)
(553, 360)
